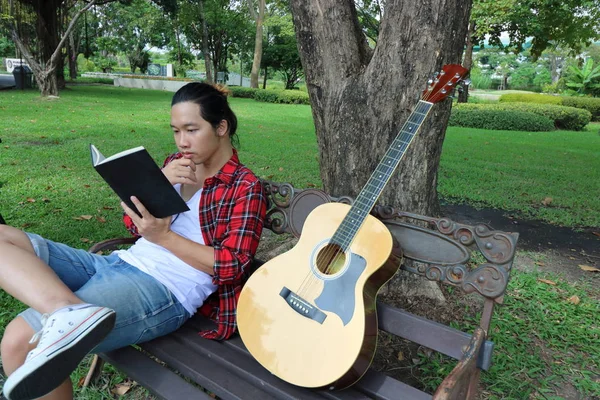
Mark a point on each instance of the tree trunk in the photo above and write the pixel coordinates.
(72, 54)
(360, 98)
(45, 74)
(463, 96)
(258, 41)
(207, 61)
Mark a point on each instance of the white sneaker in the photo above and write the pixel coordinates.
(67, 336)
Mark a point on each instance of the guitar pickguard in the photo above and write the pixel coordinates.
(338, 294)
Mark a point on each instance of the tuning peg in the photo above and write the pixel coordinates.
(466, 82)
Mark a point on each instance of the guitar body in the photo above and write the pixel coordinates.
(313, 328)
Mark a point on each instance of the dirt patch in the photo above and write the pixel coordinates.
(565, 249)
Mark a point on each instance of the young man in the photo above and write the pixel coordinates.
(82, 302)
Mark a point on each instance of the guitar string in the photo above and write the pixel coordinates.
(331, 254)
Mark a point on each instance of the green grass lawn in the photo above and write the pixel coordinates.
(47, 186)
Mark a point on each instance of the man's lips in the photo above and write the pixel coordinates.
(188, 155)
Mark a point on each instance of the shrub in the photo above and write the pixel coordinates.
(510, 120)
(244, 92)
(268, 96)
(293, 97)
(282, 96)
(530, 98)
(591, 104)
(569, 118)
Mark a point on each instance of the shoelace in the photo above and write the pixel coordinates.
(39, 333)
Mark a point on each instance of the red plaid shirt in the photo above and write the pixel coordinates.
(232, 210)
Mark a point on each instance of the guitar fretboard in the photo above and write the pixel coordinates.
(368, 196)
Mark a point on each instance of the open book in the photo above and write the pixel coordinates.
(133, 172)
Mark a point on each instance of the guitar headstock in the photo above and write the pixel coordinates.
(444, 83)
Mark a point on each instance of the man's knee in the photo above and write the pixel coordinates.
(16, 237)
(15, 344)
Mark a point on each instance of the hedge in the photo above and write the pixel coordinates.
(591, 104)
(244, 92)
(509, 120)
(530, 98)
(569, 118)
(271, 96)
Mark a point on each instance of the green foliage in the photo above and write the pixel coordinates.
(569, 23)
(584, 80)
(85, 64)
(568, 118)
(592, 104)
(280, 50)
(7, 47)
(243, 92)
(282, 97)
(530, 98)
(480, 80)
(510, 120)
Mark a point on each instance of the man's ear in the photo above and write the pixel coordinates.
(222, 128)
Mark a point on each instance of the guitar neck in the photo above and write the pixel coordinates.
(368, 196)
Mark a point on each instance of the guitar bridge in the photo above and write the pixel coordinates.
(302, 306)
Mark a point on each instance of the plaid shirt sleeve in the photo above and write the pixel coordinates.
(235, 253)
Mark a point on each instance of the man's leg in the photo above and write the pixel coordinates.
(27, 278)
(14, 348)
(73, 328)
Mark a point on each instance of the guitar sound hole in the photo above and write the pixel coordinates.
(331, 259)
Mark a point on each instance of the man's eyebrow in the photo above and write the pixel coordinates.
(186, 124)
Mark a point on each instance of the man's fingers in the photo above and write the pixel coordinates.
(140, 207)
(132, 214)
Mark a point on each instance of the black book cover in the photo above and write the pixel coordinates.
(134, 173)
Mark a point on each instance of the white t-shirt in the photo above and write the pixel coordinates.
(189, 285)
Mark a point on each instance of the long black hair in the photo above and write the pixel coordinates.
(213, 105)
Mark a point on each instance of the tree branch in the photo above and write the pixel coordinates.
(58, 50)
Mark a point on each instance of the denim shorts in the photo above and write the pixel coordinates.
(145, 308)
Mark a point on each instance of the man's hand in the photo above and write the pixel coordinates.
(155, 230)
(181, 171)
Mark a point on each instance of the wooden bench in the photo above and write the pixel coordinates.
(435, 248)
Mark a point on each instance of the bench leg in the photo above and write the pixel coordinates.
(94, 372)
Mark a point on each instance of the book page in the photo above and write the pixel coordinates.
(118, 155)
(97, 157)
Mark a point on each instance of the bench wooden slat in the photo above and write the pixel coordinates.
(203, 368)
(349, 394)
(433, 335)
(383, 387)
(238, 360)
(159, 380)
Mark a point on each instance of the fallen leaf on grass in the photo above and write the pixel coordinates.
(85, 240)
(108, 208)
(122, 388)
(588, 268)
(400, 356)
(102, 220)
(596, 233)
(574, 299)
(547, 282)
(30, 200)
(547, 201)
(83, 217)
(541, 264)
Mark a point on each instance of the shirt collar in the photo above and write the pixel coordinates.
(227, 172)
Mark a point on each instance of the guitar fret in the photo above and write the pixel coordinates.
(368, 196)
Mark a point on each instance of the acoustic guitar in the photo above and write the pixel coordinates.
(309, 315)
